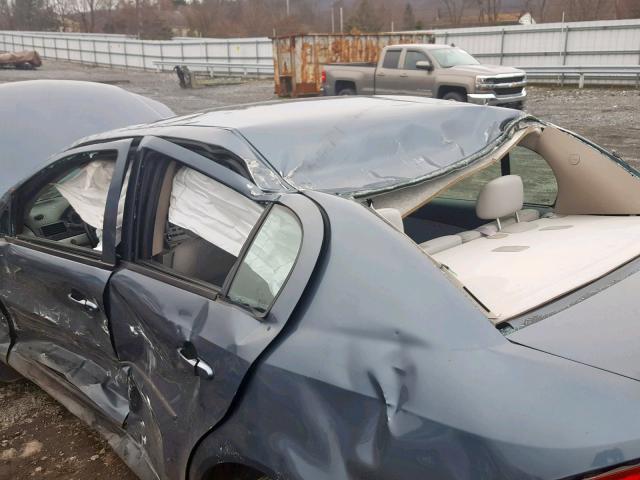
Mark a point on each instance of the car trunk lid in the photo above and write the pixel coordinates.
(598, 325)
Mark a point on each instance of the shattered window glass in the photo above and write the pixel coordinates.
(268, 261)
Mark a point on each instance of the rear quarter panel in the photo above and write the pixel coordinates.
(362, 77)
(386, 370)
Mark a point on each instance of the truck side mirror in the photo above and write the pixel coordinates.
(424, 65)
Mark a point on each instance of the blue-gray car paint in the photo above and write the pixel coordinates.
(381, 367)
(413, 382)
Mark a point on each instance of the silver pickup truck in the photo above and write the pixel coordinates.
(439, 71)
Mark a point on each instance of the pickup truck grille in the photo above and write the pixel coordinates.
(514, 79)
(508, 91)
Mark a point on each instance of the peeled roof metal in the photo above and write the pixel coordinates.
(355, 144)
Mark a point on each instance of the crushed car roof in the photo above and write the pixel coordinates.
(355, 144)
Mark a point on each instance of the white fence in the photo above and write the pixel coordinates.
(230, 55)
(615, 43)
(550, 44)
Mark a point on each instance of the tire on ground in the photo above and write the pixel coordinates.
(347, 91)
(455, 97)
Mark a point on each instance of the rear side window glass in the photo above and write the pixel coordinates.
(268, 261)
(391, 59)
(540, 185)
(412, 57)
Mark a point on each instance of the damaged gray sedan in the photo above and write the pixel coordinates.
(390, 288)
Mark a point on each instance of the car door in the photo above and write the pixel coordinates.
(185, 319)
(387, 75)
(416, 81)
(54, 281)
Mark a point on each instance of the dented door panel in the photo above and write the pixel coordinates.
(158, 323)
(170, 404)
(55, 331)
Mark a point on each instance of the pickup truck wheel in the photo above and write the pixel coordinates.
(454, 97)
(347, 91)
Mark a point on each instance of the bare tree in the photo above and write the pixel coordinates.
(494, 7)
(62, 9)
(85, 11)
(365, 18)
(537, 8)
(6, 15)
(455, 9)
(627, 9)
(489, 10)
(580, 10)
(408, 18)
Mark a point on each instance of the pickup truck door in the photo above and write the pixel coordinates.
(387, 81)
(415, 81)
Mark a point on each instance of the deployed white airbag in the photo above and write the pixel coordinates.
(211, 210)
(86, 191)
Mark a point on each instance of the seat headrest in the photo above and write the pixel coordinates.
(392, 216)
(500, 198)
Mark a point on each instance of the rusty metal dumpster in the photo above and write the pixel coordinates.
(298, 59)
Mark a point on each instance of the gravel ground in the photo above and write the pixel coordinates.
(39, 438)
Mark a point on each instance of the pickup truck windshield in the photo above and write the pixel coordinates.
(452, 57)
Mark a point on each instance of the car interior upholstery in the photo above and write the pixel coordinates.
(513, 256)
(175, 243)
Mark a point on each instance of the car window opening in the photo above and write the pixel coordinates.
(70, 208)
(525, 229)
(201, 227)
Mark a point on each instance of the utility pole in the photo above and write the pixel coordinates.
(341, 21)
(333, 23)
(287, 8)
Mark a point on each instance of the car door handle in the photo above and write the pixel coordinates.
(200, 367)
(78, 298)
(403, 75)
(381, 74)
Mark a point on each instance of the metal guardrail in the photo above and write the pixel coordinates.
(225, 68)
(609, 73)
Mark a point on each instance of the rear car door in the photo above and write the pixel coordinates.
(214, 271)
(56, 268)
(414, 80)
(387, 74)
